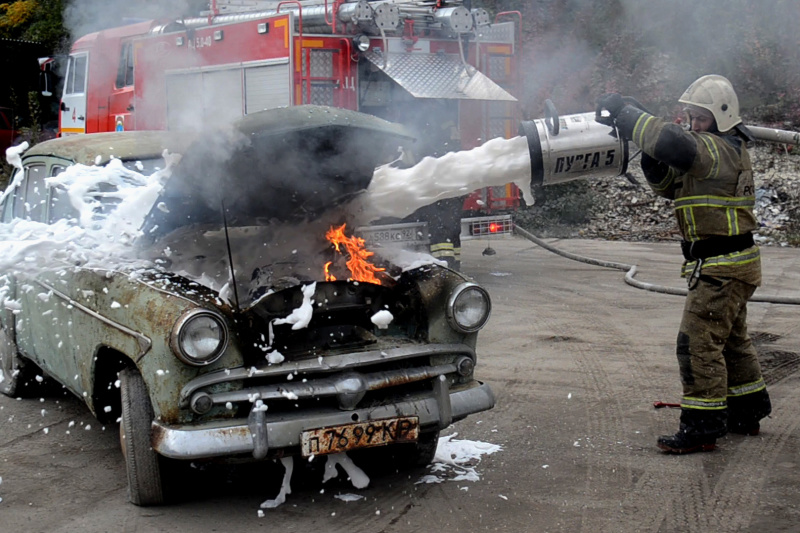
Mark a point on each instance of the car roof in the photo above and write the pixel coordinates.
(128, 145)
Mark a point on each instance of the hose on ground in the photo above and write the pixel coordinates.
(631, 271)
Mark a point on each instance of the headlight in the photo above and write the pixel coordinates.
(199, 337)
(469, 308)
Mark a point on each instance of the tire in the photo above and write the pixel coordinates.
(141, 461)
(422, 453)
(396, 458)
(417, 455)
(16, 373)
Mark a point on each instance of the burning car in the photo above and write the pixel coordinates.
(215, 305)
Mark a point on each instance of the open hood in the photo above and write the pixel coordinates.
(282, 164)
(438, 76)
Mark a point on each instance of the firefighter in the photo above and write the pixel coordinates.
(706, 170)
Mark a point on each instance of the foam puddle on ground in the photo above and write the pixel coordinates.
(455, 460)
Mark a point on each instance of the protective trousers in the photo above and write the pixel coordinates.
(444, 228)
(721, 376)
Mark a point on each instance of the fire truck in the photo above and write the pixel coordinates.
(455, 64)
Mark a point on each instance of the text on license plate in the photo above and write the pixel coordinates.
(336, 439)
(392, 235)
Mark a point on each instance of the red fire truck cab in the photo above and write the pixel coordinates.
(247, 56)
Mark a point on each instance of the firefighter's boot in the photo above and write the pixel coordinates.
(745, 412)
(698, 432)
(681, 443)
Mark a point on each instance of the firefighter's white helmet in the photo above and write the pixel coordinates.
(714, 93)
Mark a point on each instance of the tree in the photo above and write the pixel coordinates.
(34, 20)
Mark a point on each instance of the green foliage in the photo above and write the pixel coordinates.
(33, 131)
(34, 20)
(47, 26)
(16, 14)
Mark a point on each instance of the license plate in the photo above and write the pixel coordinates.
(412, 233)
(336, 439)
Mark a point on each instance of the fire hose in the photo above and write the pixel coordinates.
(631, 271)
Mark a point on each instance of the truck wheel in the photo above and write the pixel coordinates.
(141, 461)
(14, 373)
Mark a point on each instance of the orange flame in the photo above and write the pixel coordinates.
(328, 275)
(360, 268)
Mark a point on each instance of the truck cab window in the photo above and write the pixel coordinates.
(125, 69)
(76, 76)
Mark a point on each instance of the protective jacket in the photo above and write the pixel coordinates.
(710, 178)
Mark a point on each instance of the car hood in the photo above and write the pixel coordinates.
(281, 164)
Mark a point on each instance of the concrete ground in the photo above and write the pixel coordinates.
(576, 359)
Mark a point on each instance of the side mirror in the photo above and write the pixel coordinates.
(46, 82)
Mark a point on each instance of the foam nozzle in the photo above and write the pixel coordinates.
(528, 129)
(571, 147)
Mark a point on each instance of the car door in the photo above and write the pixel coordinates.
(8, 283)
(23, 207)
(42, 322)
(63, 303)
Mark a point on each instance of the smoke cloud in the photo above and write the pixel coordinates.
(653, 50)
(87, 16)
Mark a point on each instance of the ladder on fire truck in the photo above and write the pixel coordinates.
(415, 16)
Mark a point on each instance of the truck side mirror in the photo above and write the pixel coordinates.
(46, 82)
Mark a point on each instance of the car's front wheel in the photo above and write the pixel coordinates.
(13, 372)
(142, 462)
(421, 453)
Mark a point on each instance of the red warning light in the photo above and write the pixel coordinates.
(493, 227)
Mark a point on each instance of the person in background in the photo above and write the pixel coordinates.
(436, 125)
(706, 171)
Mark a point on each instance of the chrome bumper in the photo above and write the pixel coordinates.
(261, 432)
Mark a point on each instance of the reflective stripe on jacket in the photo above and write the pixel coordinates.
(710, 178)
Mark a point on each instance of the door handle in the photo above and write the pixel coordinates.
(129, 108)
(81, 118)
(64, 107)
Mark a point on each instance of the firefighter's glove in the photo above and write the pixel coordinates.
(611, 102)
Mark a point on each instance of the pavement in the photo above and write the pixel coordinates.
(576, 359)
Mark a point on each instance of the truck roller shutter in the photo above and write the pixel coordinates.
(206, 98)
(267, 87)
(182, 107)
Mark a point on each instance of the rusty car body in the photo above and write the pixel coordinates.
(193, 347)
